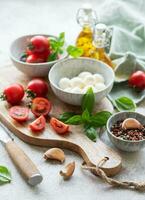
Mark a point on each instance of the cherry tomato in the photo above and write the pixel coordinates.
(59, 126)
(40, 106)
(43, 55)
(13, 94)
(19, 113)
(34, 58)
(38, 87)
(38, 44)
(137, 79)
(39, 124)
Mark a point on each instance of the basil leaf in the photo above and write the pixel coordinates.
(52, 56)
(124, 103)
(85, 116)
(61, 39)
(74, 51)
(75, 120)
(91, 133)
(65, 116)
(88, 101)
(100, 119)
(53, 44)
(5, 175)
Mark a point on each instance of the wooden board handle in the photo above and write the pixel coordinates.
(23, 163)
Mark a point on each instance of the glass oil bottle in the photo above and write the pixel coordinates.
(86, 18)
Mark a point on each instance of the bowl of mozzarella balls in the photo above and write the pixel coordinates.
(71, 78)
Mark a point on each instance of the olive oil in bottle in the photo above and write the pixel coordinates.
(86, 18)
(101, 39)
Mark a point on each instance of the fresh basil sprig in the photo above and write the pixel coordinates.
(5, 175)
(57, 46)
(90, 121)
(124, 104)
(74, 51)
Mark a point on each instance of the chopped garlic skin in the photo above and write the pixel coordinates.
(76, 82)
(98, 78)
(82, 75)
(64, 83)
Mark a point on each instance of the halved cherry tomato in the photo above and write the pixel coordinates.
(38, 87)
(19, 113)
(38, 43)
(13, 93)
(40, 106)
(39, 124)
(59, 126)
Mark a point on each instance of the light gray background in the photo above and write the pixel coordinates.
(20, 17)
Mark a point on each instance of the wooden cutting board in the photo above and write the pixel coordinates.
(91, 152)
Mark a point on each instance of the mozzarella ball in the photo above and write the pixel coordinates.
(68, 89)
(76, 82)
(100, 86)
(89, 80)
(64, 83)
(87, 87)
(98, 78)
(76, 90)
(82, 75)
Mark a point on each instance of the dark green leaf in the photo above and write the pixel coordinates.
(65, 116)
(100, 119)
(124, 103)
(74, 51)
(85, 116)
(91, 133)
(52, 57)
(75, 120)
(5, 175)
(88, 101)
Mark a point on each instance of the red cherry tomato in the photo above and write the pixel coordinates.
(59, 126)
(19, 113)
(34, 58)
(38, 125)
(38, 44)
(13, 93)
(38, 87)
(41, 55)
(137, 79)
(40, 106)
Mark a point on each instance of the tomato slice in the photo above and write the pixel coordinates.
(19, 113)
(59, 126)
(39, 124)
(40, 106)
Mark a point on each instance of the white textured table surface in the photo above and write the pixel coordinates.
(19, 17)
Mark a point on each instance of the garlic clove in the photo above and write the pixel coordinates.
(131, 123)
(54, 154)
(69, 170)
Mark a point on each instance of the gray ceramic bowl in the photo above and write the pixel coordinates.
(18, 46)
(122, 144)
(71, 68)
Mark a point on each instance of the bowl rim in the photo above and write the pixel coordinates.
(80, 58)
(64, 55)
(118, 138)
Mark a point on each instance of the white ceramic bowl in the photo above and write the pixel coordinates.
(18, 46)
(125, 145)
(71, 68)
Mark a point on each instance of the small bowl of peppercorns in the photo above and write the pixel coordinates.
(126, 131)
